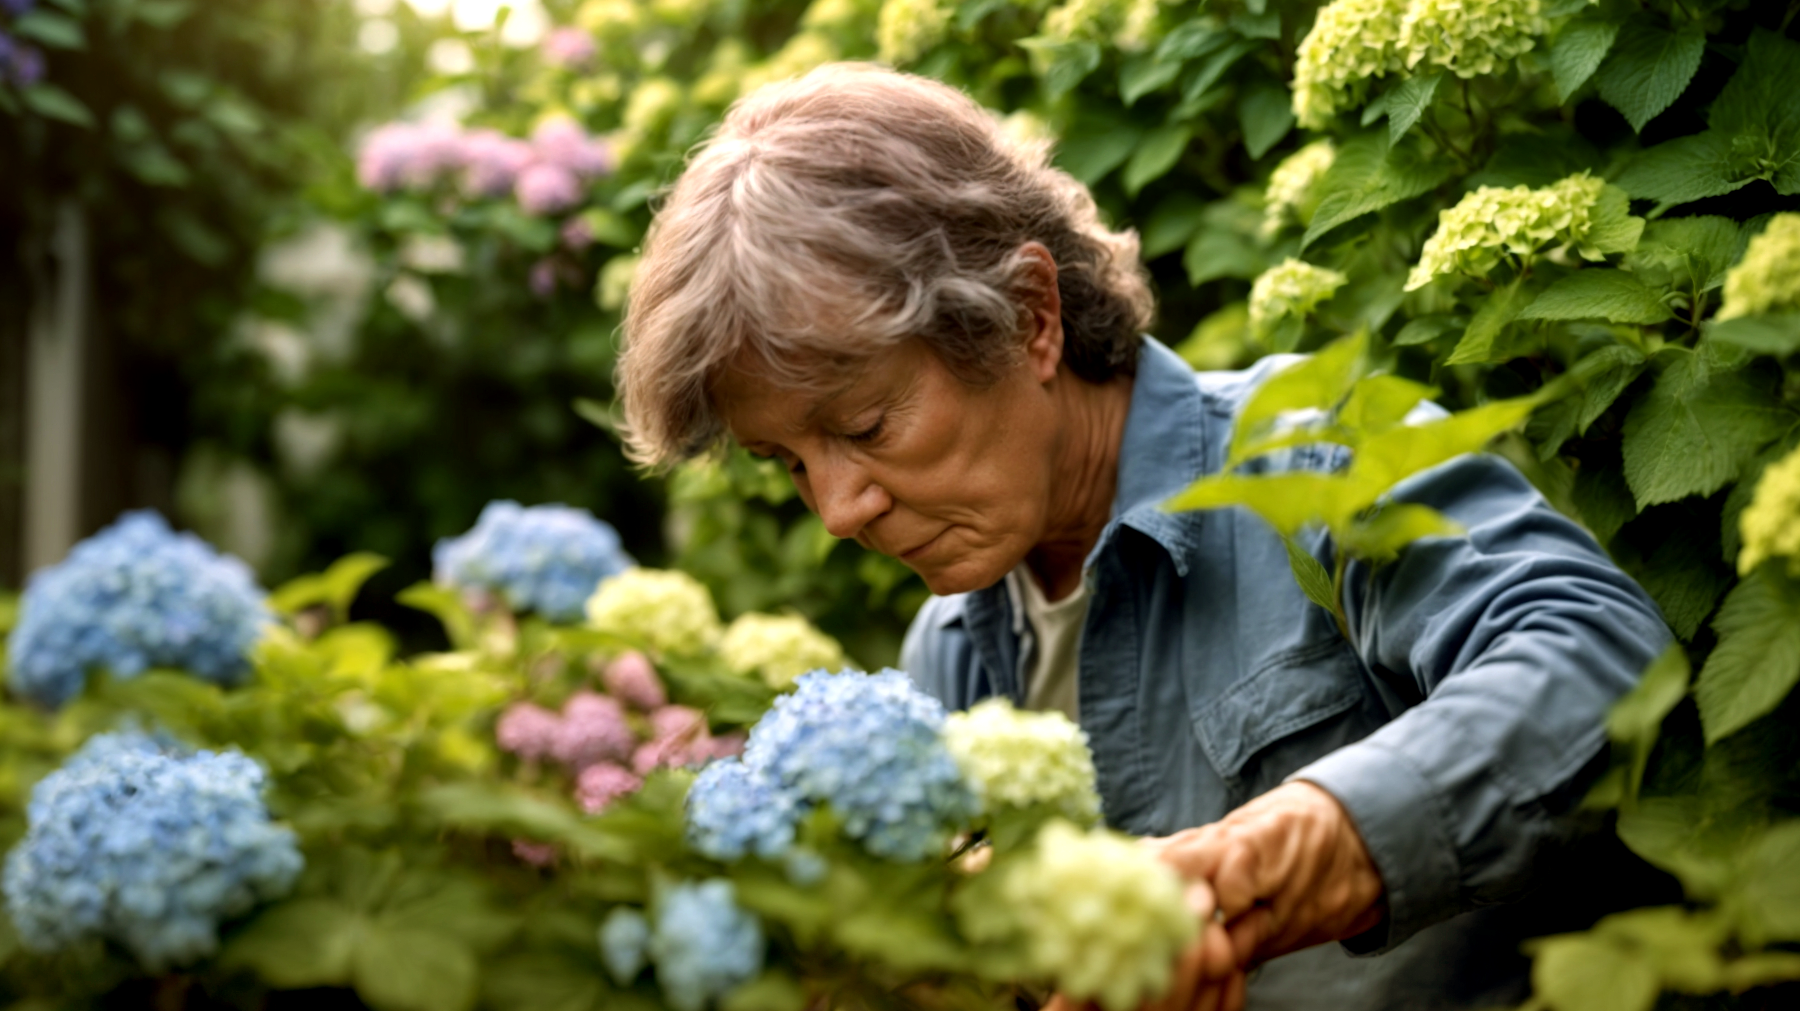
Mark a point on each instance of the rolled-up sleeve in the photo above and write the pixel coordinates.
(1519, 636)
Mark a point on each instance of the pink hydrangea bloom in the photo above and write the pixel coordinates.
(671, 753)
(632, 680)
(569, 47)
(577, 235)
(561, 141)
(542, 278)
(677, 723)
(408, 155)
(593, 729)
(492, 162)
(599, 785)
(528, 730)
(726, 745)
(544, 188)
(536, 854)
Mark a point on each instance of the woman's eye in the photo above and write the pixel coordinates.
(868, 434)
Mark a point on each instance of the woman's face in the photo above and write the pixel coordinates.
(910, 461)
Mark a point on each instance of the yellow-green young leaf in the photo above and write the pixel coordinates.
(447, 606)
(336, 587)
(1581, 972)
(1597, 293)
(1768, 888)
(1314, 581)
(1765, 968)
(1320, 382)
(1611, 226)
(1757, 661)
(774, 990)
(1408, 101)
(1683, 944)
(1682, 836)
(1380, 537)
(1636, 720)
(300, 943)
(1378, 403)
(413, 970)
(1286, 501)
(1392, 456)
(1481, 341)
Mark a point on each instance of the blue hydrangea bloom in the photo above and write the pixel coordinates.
(870, 746)
(546, 558)
(733, 809)
(133, 596)
(624, 943)
(703, 943)
(137, 841)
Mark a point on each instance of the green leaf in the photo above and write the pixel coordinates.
(398, 969)
(1378, 403)
(1649, 68)
(1481, 341)
(1611, 226)
(1757, 661)
(1368, 174)
(1580, 972)
(1389, 457)
(336, 587)
(1172, 223)
(447, 606)
(297, 944)
(1605, 501)
(1262, 25)
(1764, 968)
(1319, 382)
(1090, 155)
(52, 102)
(1599, 293)
(1578, 50)
(1701, 249)
(1214, 253)
(1266, 113)
(1600, 378)
(1214, 68)
(1065, 64)
(1408, 101)
(1425, 329)
(1636, 720)
(161, 13)
(1778, 334)
(1314, 581)
(1144, 74)
(544, 981)
(1684, 577)
(774, 990)
(1767, 892)
(1286, 502)
(1696, 429)
(56, 31)
(1155, 156)
(1190, 39)
(1394, 525)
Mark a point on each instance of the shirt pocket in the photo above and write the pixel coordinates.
(1289, 711)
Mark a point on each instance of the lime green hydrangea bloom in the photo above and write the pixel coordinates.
(905, 29)
(1493, 221)
(1292, 193)
(1016, 759)
(1351, 42)
(1102, 918)
(1470, 39)
(663, 610)
(1767, 279)
(778, 648)
(1078, 19)
(1771, 522)
(798, 55)
(1291, 288)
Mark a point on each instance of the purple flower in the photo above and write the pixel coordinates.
(20, 63)
(593, 730)
(491, 162)
(633, 681)
(409, 155)
(599, 785)
(543, 278)
(527, 730)
(561, 141)
(546, 189)
(566, 47)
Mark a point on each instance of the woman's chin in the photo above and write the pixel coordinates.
(963, 575)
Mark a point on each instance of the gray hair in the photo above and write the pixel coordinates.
(841, 213)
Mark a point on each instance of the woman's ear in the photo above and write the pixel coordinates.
(1042, 311)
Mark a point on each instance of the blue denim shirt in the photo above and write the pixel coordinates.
(1459, 728)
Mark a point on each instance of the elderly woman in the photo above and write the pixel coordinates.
(865, 276)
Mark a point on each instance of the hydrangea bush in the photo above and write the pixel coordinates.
(548, 558)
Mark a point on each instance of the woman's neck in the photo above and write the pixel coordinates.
(1086, 478)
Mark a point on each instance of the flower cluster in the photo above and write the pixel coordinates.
(21, 63)
(546, 558)
(665, 611)
(1291, 288)
(630, 679)
(778, 648)
(624, 943)
(1014, 759)
(1771, 522)
(1767, 279)
(136, 842)
(1493, 221)
(134, 596)
(1293, 186)
(568, 47)
(906, 28)
(1099, 915)
(703, 943)
(1352, 42)
(869, 746)
(546, 174)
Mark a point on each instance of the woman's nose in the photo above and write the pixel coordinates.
(846, 498)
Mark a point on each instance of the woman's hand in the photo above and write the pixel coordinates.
(1289, 871)
(1209, 977)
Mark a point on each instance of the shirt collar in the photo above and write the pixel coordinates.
(1162, 452)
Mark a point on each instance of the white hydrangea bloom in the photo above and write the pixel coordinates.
(663, 610)
(1290, 195)
(1771, 522)
(1493, 221)
(1767, 279)
(1078, 19)
(1470, 39)
(1291, 288)
(905, 29)
(1351, 42)
(1018, 759)
(778, 648)
(1102, 917)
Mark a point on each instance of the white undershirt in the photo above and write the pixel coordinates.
(1053, 666)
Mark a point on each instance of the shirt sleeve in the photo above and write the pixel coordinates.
(1519, 636)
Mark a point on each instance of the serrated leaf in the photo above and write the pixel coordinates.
(1696, 429)
(52, 102)
(1379, 538)
(1757, 661)
(1155, 156)
(1650, 66)
(1611, 226)
(1777, 334)
(1144, 74)
(1370, 173)
(1481, 341)
(1684, 577)
(1598, 293)
(1605, 501)
(1090, 155)
(396, 969)
(1286, 501)
(297, 944)
(1578, 51)
(1314, 581)
(336, 587)
(1702, 248)
(1267, 115)
(1318, 382)
(1407, 102)
(1390, 457)
(1378, 403)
